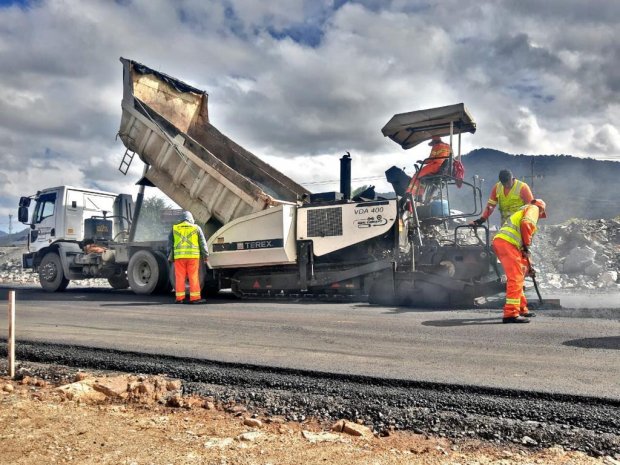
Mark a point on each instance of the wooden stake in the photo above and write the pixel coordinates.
(11, 346)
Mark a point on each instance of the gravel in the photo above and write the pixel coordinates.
(501, 416)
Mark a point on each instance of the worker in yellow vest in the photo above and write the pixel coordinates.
(510, 194)
(186, 244)
(511, 245)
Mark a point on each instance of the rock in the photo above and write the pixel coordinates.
(175, 401)
(252, 422)
(593, 270)
(8, 388)
(81, 391)
(173, 385)
(608, 278)
(113, 387)
(338, 426)
(250, 436)
(578, 260)
(80, 376)
(356, 430)
(528, 441)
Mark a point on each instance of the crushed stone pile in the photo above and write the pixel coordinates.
(11, 270)
(578, 254)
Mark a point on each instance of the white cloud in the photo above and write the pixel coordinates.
(300, 82)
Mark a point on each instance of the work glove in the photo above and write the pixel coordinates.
(478, 222)
(525, 252)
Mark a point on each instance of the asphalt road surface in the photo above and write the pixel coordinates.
(570, 351)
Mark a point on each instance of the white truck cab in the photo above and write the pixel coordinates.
(60, 213)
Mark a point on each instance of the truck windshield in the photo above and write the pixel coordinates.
(45, 207)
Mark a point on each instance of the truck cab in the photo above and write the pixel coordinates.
(65, 219)
(60, 213)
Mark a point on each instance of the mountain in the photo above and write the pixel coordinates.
(572, 187)
(17, 238)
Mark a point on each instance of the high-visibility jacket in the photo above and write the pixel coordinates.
(520, 227)
(510, 203)
(186, 237)
(440, 150)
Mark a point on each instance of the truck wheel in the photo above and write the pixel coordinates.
(51, 275)
(163, 286)
(119, 281)
(143, 272)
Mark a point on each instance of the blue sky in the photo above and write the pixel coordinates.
(299, 82)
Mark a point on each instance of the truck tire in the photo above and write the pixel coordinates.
(51, 275)
(143, 272)
(163, 286)
(119, 281)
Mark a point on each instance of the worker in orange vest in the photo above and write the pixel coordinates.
(186, 244)
(440, 152)
(511, 245)
(510, 193)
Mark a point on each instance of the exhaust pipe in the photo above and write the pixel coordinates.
(345, 176)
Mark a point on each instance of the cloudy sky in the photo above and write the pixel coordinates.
(299, 82)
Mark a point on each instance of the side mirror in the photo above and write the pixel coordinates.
(22, 213)
(24, 201)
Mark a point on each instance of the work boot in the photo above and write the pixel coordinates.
(179, 301)
(528, 315)
(515, 319)
(197, 302)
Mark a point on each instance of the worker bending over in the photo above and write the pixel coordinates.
(186, 244)
(510, 193)
(511, 245)
(439, 154)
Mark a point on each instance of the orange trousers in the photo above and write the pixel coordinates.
(515, 267)
(187, 268)
(433, 166)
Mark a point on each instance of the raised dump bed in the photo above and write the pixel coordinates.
(166, 122)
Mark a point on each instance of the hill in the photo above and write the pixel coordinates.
(572, 187)
(19, 237)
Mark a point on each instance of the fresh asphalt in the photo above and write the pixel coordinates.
(568, 351)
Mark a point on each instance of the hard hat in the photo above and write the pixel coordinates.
(542, 206)
(434, 140)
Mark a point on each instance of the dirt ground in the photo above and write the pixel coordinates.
(136, 420)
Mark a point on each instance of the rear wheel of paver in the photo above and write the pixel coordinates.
(143, 272)
(51, 275)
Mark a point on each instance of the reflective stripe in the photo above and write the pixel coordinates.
(513, 301)
(441, 150)
(185, 241)
(511, 203)
(492, 202)
(511, 231)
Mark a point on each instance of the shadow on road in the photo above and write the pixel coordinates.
(463, 322)
(611, 342)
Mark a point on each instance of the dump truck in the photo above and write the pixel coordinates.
(268, 236)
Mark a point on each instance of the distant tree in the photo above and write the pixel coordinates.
(150, 226)
(358, 190)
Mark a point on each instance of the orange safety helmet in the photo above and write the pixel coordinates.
(435, 140)
(542, 206)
